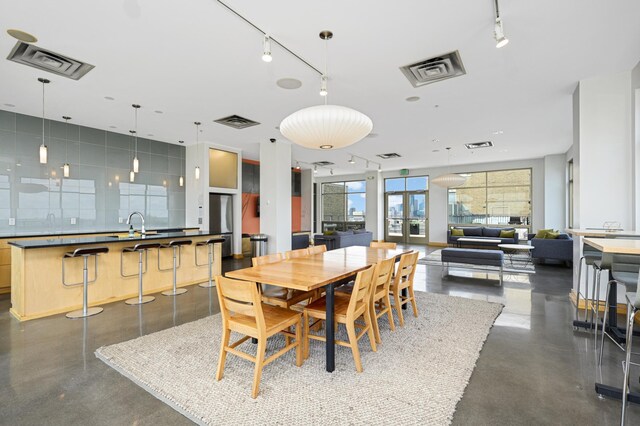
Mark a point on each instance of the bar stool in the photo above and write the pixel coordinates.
(177, 260)
(142, 250)
(624, 271)
(209, 243)
(589, 257)
(85, 253)
(633, 308)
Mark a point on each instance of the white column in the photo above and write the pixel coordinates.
(275, 194)
(306, 222)
(374, 216)
(555, 183)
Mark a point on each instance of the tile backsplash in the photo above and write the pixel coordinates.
(36, 198)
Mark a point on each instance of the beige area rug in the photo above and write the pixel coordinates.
(417, 376)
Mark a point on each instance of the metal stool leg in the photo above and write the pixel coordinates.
(176, 291)
(604, 321)
(627, 364)
(140, 299)
(210, 283)
(86, 311)
(578, 292)
(597, 308)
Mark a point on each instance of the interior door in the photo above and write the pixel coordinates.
(406, 217)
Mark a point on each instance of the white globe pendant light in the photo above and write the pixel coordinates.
(326, 126)
(449, 180)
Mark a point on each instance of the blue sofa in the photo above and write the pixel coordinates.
(482, 232)
(342, 239)
(299, 241)
(558, 249)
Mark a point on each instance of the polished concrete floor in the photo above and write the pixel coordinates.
(533, 370)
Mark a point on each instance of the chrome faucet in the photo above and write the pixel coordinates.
(142, 231)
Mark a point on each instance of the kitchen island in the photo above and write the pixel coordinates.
(36, 270)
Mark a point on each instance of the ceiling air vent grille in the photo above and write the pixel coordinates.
(389, 155)
(323, 163)
(46, 60)
(236, 122)
(476, 145)
(434, 69)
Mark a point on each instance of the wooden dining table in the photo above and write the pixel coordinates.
(328, 270)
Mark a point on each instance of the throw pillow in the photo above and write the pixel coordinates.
(542, 233)
(551, 235)
(507, 234)
(328, 233)
(457, 232)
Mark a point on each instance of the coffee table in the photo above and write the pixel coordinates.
(514, 249)
(472, 241)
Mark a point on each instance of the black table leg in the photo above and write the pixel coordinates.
(330, 348)
(405, 293)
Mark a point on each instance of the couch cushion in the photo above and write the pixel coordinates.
(563, 237)
(491, 232)
(328, 232)
(360, 231)
(472, 232)
(505, 233)
(341, 233)
(551, 235)
(455, 232)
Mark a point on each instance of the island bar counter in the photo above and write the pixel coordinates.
(36, 271)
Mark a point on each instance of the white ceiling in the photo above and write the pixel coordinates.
(195, 61)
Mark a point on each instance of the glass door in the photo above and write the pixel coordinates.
(407, 218)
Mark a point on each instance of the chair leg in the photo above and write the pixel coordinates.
(299, 343)
(257, 374)
(396, 297)
(579, 288)
(625, 383)
(597, 310)
(604, 321)
(287, 338)
(306, 335)
(353, 341)
(387, 303)
(226, 334)
(370, 332)
(374, 322)
(413, 301)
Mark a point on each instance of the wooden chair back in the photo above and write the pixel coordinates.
(382, 276)
(383, 245)
(406, 268)
(266, 259)
(292, 254)
(240, 297)
(361, 291)
(318, 249)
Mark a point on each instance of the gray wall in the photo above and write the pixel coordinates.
(97, 195)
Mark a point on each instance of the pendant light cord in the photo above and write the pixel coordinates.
(43, 83)
(136, 134)
(326, 66)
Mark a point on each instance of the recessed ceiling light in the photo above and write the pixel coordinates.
(436, 150)
(277, 127)
(18, 164)
(498, 132)
(158, 111)
(435, 140)
(372, 135)
(180, 141)
(289, 83)
(109, 98)
(112, 127)
(412, 98)
(9, 105)
(149, 134)
(436, 106)
(22, 36)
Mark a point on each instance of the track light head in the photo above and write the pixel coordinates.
(266, 49)
(498, 32)
(323, 86)
(352, 160)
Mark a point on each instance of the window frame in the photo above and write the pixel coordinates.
(343, 225)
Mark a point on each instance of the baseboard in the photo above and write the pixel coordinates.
(238, 256)
(622, 308)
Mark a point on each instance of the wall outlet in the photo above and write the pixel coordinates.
(199, 221)
(12, 221)
(120, 220)
(73, 220)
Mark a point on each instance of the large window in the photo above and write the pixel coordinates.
(343, 205)
(492, 198)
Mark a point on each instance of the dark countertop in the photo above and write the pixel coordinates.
(117, 231)
(61, 242)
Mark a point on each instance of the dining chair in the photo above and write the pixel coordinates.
(278, 296)
(317, 249)
(383, 245)
(293, 254)
(243, 312)
(380, 299)
(404, 279)
(346, 311)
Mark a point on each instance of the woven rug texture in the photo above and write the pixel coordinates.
(518, 264)
(417, 376)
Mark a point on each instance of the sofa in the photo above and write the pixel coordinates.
(340, 239)
(556, 249)
(483, 232)
(299, 241)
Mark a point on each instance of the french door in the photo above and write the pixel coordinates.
(407, 217)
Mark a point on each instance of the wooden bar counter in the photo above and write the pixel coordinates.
(36, 271)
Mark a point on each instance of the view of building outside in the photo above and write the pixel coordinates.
(494, 198)
(343, 205)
